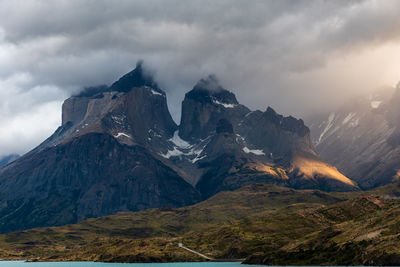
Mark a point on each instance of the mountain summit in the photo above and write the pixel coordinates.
(136, 78)
(118, 149)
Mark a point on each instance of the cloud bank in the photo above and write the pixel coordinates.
(296, 56)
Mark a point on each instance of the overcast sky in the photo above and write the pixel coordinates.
(296, 56)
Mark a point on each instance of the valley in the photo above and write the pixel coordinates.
(306, 226)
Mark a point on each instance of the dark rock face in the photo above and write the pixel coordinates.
(8, 159)
(135, 78)
(144, 111)
(91, 176)
(210, 91)
(244, 147)
(103, 159)
(362, 138)
(118, 149)
(204, 106)
(275, 156)
(135, 117)
(224, 126)
(74, 109)
(281, 136)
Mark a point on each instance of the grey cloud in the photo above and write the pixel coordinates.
(276, 53)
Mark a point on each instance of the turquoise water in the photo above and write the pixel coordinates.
(100, 264)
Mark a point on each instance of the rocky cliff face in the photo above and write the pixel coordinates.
(236, 146)
(118, 149)
(91, 176)
(136, 116)
(100, 161)
(362, 138)
(204, 106)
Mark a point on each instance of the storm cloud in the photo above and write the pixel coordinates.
(296, 56)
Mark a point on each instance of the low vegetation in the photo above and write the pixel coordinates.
(263, 223)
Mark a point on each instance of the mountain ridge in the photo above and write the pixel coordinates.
(362, 138)
(219, 145)
(8, 159)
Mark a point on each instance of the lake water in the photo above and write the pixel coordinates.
(100, 264)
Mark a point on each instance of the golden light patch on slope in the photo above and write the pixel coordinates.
(271, 170)
(311, 168)
(396, 177)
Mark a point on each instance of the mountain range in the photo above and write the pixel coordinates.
(118, 149)
(362, 138)
(120, 181)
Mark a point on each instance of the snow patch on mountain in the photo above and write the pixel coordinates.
(156, 93)
(172, 153)
(177, 152)
(193, 153)
(226, 105)
(375, 104)
(119, 119)
(152, 91)
(248, 114)
(178, 141)
(348, 117)
(198, 158)
(240, 138)
(154, 133)
(329, 125)
(123, 134)
(258, 152)
(355, 122)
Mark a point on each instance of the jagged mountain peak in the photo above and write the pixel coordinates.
(362, 137)
(209, 90)
(210, 83)
(271, 115)
(288, 123)
(138, 77)
(118, 149)
(137, 116)
(205, 105)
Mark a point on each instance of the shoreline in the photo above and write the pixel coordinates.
(83, 261)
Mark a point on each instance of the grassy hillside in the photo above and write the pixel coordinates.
(272, 224)
(362, 231)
